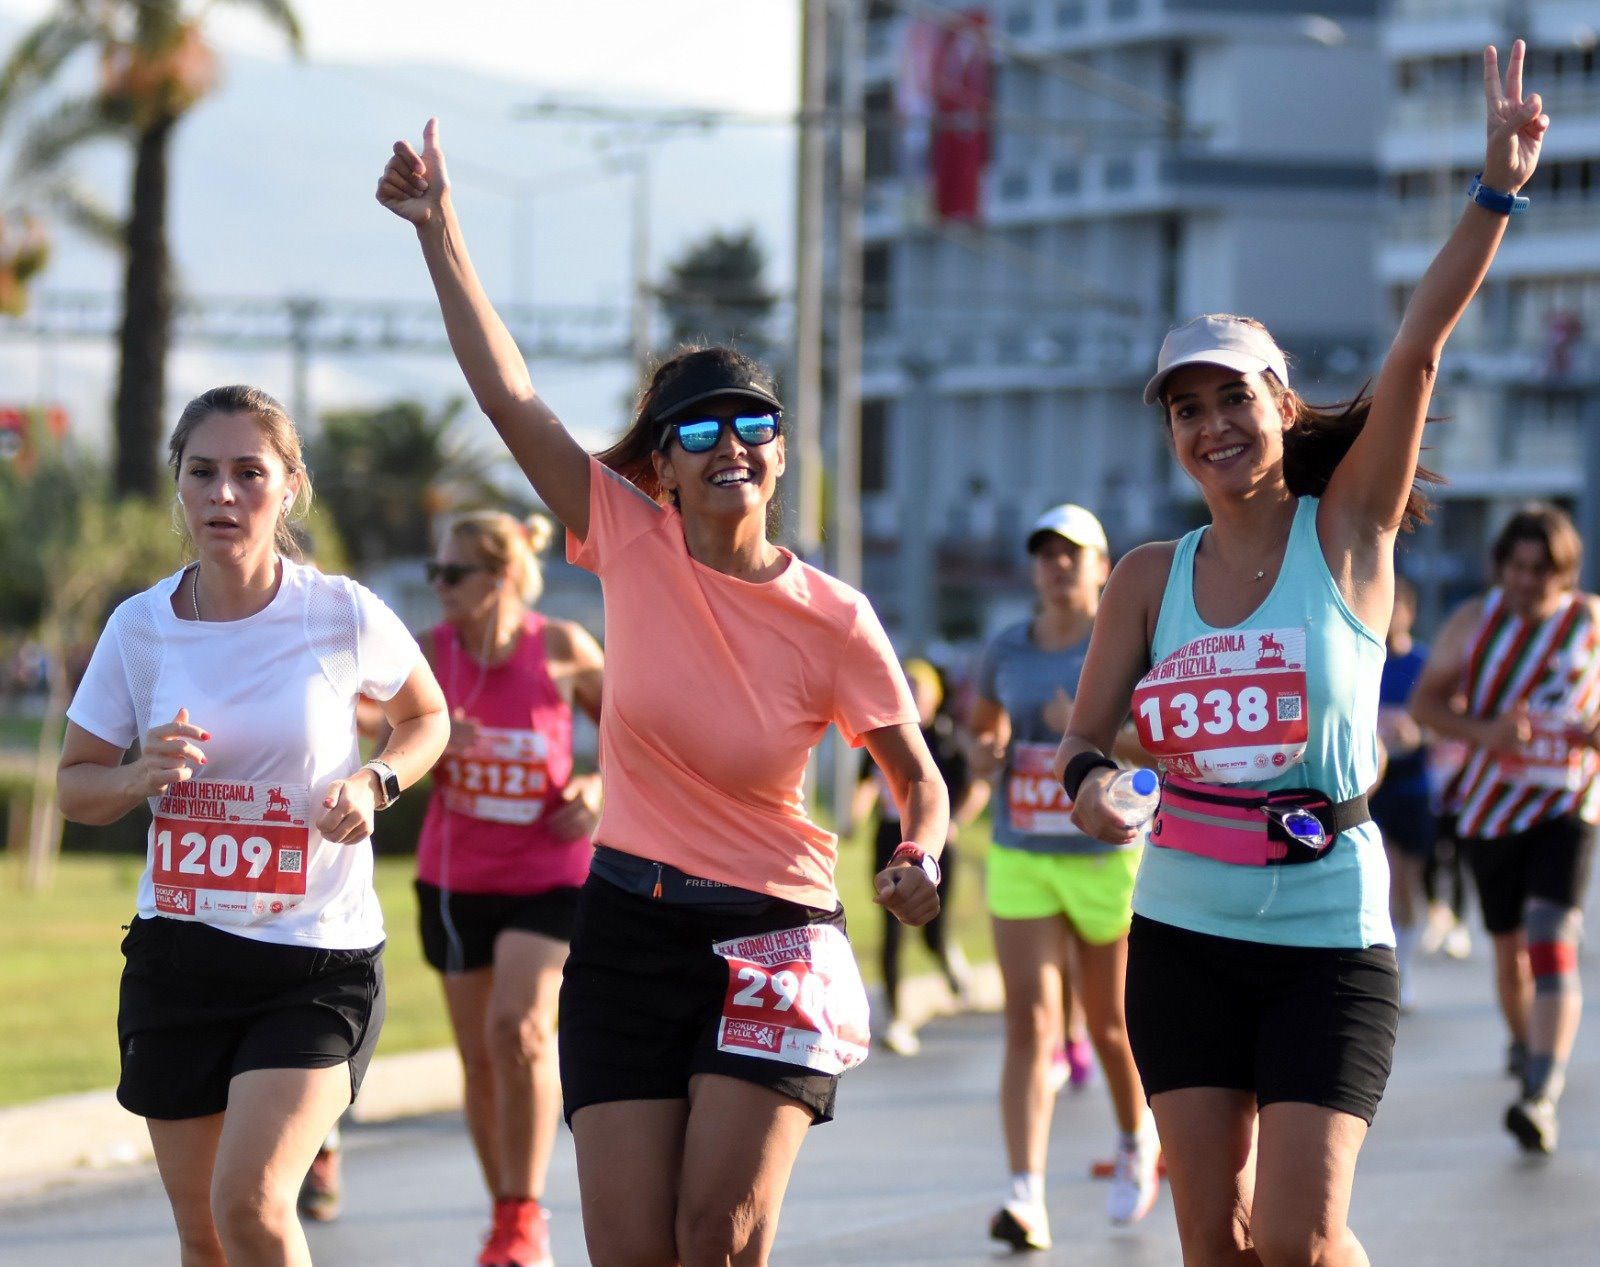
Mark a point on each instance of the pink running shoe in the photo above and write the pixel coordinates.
(1080, 1063)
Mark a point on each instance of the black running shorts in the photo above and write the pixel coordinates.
(1549, 860)
(199, 1005)
(1406, 820)
(1305, 1025)
(459, 929)
(642, 996)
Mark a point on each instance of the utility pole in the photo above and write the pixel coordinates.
(845, 551)
(805, 391)
(846, 545)
(639, 165)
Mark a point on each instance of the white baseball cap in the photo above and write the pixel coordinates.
(1076, 524)
(1217, 339)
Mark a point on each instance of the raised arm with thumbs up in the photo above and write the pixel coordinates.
(416, 187)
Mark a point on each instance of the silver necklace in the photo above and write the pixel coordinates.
(194, 590)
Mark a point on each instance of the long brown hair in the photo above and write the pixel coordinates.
(631, 456)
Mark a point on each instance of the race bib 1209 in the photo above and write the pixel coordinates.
(1228, 707)
(230, 850)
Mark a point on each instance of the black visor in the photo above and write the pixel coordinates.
(703, 380)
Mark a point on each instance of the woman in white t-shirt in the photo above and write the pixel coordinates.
(253, 993)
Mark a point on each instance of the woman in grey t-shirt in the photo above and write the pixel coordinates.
(1053, 891)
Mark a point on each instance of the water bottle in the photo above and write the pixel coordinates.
(1133, 796)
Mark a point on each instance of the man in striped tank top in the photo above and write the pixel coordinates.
(1516, 674)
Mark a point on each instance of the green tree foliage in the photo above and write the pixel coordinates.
(716, 292)
(383, 474)
(154, 65)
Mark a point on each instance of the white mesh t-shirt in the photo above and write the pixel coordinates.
(235, 846)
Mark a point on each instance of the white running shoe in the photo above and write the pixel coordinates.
(1021, 1225)
(1458, 943)
(1060, 1069)
(901, 1039)
(1135, 1184)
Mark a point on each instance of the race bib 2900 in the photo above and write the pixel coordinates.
(795, 995)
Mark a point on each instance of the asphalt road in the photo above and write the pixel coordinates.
(913, 1167)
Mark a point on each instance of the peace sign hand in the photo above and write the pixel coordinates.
(416, 186)
(1517, 124)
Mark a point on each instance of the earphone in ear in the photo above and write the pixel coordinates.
(288, 502)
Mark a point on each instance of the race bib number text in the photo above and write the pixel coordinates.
(503, 778)
(222, 849)
(795, 995)
(1035, 800)
(1227, 708)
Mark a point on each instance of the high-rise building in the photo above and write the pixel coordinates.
(1148, 160)
(1520, 381)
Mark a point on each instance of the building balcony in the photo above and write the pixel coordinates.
(1557, 237)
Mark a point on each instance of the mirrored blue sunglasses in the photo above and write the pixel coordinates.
(701, 435)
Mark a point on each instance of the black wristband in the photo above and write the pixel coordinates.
(1079, 769)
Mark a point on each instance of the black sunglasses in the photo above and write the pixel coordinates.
(701, 435)
(452, 573)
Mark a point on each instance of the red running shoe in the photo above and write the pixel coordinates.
(520, 1236)
(319, 1193)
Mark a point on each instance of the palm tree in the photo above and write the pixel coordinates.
(154, 67)
(385, 473)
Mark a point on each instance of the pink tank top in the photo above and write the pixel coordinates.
(484, 831)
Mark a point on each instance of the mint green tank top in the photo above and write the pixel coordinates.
(1342, 899)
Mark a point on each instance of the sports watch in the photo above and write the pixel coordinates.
(918, 857)
(388, 783)
(1493, 200)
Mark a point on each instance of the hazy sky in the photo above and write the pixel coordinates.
(729, 53)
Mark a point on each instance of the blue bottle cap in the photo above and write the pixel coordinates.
(1144, 782)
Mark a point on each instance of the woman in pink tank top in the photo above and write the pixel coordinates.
(504, 849)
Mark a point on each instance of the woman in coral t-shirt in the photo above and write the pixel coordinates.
(710, 999)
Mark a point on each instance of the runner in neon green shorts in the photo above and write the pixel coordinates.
(1055, 893)
(1092, 891)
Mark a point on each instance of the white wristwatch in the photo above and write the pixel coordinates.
(388, 783)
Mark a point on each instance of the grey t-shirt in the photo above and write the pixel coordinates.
(1031, 808)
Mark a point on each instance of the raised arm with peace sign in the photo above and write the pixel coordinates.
(1517, 124)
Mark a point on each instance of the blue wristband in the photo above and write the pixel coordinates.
(1494, 200)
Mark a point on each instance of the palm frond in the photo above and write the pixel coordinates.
(57, 134)
(83, 210)
(41, 52)
(281, 14)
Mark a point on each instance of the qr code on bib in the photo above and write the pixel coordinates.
(289, 861)
(1289, 707)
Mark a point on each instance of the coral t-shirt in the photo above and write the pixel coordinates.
(716, 691)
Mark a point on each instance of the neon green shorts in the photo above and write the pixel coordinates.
(1094, 891)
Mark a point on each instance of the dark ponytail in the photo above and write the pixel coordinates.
(1316, 439)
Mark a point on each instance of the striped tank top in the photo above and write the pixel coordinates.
(1552, 666)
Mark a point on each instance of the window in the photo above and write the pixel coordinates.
(874, 446)
(1019, 19)
(1066, 179)
(1013, 186)
(1119, 173)
(1069, 13)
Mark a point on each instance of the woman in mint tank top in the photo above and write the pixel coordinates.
(1262, 993)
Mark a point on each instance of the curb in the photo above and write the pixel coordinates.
(73, 1137)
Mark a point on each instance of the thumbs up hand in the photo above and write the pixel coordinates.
(415, 186)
